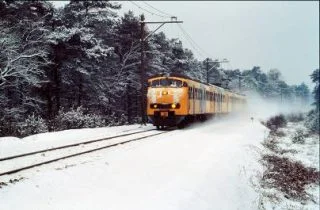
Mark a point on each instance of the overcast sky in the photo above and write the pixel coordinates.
(282, 35)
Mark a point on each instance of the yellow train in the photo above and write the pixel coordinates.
(176, 100)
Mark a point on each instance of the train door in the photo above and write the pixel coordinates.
(190, 94)
(195, 92)
(220, 102)
(211, 102)
(203, 100)
(227, 103)
(215, 98)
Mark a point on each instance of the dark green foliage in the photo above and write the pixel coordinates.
(295, 117)
(299, 137)
(84, 55)
(312, 121)
(278, 121)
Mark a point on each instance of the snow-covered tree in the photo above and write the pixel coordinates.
(312, 120)
(23, 57)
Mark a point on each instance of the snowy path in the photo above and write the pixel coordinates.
(205, 167)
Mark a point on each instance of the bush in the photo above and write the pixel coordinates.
(279, 133)
(299, 137)
(116, 119)
(32, 125)
(288, 176)
(312, 121)
(278, 121)
(295, 117)
(76, 118)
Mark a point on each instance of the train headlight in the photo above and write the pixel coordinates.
(155, 106)
(164, 92)
(173, 106)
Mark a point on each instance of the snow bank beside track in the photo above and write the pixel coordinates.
(205, 166)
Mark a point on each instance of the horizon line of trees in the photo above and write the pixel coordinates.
(78, 66)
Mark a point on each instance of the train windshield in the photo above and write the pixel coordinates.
(166, 83)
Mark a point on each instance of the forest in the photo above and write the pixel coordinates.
(79, 67)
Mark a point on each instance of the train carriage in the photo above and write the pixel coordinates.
(174, 100)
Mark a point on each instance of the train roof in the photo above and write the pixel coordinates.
(195, 80)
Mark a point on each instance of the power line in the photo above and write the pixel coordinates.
(169, 15)
(152, 13)
(193, 41)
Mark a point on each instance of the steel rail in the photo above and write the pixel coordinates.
(76, 154)
(69, 145)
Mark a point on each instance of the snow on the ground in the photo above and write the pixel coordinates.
(206, 166)
(17, 163)
(12, 146)
(306, 153)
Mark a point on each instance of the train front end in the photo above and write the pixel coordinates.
(167, 101)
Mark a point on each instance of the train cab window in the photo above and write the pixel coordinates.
(166, 83)
(174, 83)
(185, 84)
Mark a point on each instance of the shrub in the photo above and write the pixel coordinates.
(295, 117)
(116, 119)
(76, 118)
(278, 121)
(288, 176)
(312, 121)
(298, 137)
(279, 133)
(32, 125)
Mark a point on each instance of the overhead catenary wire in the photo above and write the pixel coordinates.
(184, 32)
(164, 13)
(191, 43)
(152, 13)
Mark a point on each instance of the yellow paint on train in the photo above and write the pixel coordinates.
(171, 99)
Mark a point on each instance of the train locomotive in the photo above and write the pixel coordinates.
(175, 100)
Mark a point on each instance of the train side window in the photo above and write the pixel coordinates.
(192, 92)
(197, 93)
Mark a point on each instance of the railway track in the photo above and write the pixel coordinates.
(17, 163)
